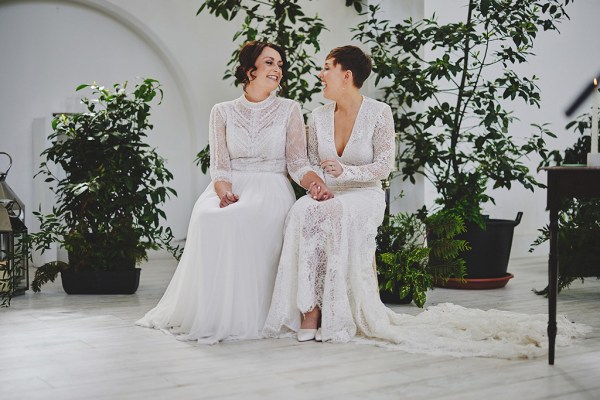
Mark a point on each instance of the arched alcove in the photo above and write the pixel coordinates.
(50, 47)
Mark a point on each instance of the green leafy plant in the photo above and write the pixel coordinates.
(282, 22)
(414, 252)
(449, 86)
(578, 219)
(108, 211)
(357, 4)
(13, 259)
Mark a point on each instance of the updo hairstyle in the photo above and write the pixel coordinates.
(247, 61)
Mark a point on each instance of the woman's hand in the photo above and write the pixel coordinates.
(228, 198)
(319, 191)
(225, 192)
(332, 168)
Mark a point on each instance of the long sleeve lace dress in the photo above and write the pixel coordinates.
(328, 252)
(223, 284)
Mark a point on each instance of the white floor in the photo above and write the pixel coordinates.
(58, 346)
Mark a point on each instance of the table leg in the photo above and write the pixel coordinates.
(552, 283)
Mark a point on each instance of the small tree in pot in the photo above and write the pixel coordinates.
(461, 75)
(107, 215)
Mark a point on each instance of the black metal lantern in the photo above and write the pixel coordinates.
(14, 271)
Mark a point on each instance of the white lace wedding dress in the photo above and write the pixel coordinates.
(328, 252)
(223, 284)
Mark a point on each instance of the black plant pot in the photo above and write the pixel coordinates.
(490, 248)
(394, 296)
(101, 282)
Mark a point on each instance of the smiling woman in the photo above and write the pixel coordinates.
(263, 65)
(325, 272)
(223, 285)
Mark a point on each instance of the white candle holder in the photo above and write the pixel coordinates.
(593, 160)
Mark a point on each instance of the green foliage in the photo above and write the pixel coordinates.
(281, 22)
(577, 154)
(13, 261)
(6, 284)
(462, 77)
(108, 211)
(357, 4)
(412, 253)
(203, 159)
(578, 219)
(578, 242)
(47, 273)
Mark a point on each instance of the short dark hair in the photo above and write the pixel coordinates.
(247, 61)
(354, 59)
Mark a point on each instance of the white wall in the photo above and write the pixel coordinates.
(48, 47)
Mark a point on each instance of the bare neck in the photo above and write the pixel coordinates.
(350, 103)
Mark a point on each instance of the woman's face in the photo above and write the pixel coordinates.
(268, 72)
(334, 79)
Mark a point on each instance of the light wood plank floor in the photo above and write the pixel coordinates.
(56, 346)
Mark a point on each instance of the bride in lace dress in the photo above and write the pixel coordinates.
(325, 272)
(223, 284)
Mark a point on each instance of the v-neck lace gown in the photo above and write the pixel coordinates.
(329, 246)
(328, 252)
(224, 281)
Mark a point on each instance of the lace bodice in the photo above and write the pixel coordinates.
(369, 154)
(257, 137)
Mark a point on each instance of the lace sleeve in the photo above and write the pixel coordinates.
(313, 148)
(220, 163)
(295, 146)
(384, 140)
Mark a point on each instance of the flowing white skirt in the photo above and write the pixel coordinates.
(223, 284)
(327, 260)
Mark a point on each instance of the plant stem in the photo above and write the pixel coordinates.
(476, 82)
(461, 89)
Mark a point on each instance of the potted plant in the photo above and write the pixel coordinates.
(578, 219)
(108, 212)
(450, 86)
(414, 252)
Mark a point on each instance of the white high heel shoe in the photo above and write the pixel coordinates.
(304, 335)
(318, 336)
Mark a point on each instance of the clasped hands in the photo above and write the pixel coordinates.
(320, 191)
(316, 189)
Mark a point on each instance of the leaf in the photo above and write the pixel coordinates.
(485, 7)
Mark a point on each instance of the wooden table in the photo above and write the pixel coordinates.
(564, 183)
